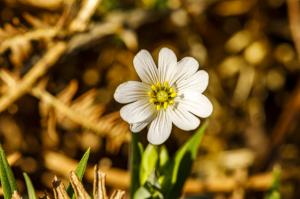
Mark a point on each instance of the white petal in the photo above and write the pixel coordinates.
(183, 119)
(196, 103)
(138, 111)
(131, 91)
(160, 128)
(145, 67)
(186, 67)
(137, 127)
(167, 63)
(197, 82)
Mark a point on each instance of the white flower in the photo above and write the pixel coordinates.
(169, 93)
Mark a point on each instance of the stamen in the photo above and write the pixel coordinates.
(165, 105)
(153, 87)
(162, 95)
(173, 94)
(158, 107)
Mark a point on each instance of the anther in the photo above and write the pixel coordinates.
(165, 105)
(158, 107)
(173, 94)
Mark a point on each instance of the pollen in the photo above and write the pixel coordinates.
(162, 95)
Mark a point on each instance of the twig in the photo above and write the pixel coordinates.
(41, 4)
(86, 12)
(38, 70)
(38, 34)
(101, 127)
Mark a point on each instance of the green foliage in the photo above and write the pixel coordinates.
(163, 177)
(181, 165)
(149, 162)
(29, 186)
(273, 192)
(135, 155)
(7, 178)
(79, 171)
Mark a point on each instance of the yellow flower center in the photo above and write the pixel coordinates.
(162, 95)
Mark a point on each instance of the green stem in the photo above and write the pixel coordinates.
(135, 160)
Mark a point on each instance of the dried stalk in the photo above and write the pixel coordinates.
(99, 190)
(38, 70)
(99, 127)
(78, 188)
(87, 10)
(59, 189)
(38, 34)
(16, 195)
(40, 4)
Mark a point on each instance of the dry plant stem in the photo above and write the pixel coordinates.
(102, 127)
(86, 12)
(99, 190)
(16, 195)
(117, 194)
(120, 179)
(292, 106)
(41, 4)
(78, 187)
(59, 189)
(97, 31)
(63, 109)
(38, 70)
(46, 33)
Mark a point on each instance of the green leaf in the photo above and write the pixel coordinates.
(79, 171)
(135, 161)
(163, 156)
(178, 169)
(149, 162)
(142, 193)
(7, 178)
(30, 188)
(273, 192)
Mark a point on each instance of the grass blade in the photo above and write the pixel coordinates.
(79, 171)
(136, 152)
(7, 178)
(29, 186)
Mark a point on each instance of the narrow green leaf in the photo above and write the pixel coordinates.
(136, 152)
(179, 168)
(29, 186)
(163, 156)
(273, 192)
(79, 171)
(4, 181)
(7, 178)
(189, 149)
(142, 193)
(149, 162)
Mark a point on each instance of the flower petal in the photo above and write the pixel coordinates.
(186, 67)
(183, 119)
(197, 82)
(131, 91)
(160, 128)
(138, 111)
(137, 127)
(145, 67)
(167, 63)
(196, 103)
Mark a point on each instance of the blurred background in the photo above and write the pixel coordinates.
(61, 61)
